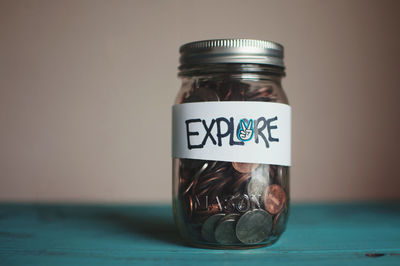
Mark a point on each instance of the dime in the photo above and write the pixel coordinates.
(254, 227)
(207, 230)
(225, 230)
(274, 199)
(244, 167)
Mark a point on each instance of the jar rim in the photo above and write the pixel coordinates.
(239, 51)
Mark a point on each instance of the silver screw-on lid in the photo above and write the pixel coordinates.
(244, 51)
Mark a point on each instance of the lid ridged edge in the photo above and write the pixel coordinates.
(232, 51)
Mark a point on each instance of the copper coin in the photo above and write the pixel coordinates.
(274, 199)
(189, 206)
(244, 167)
(195, 178)
(240, 181)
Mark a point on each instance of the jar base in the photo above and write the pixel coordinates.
(229, 247)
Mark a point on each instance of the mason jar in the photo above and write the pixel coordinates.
(231, 144)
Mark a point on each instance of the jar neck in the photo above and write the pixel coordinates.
(231, 70)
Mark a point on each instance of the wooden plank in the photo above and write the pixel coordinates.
(335, 234)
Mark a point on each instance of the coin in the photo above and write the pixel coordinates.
(254, 227)
(279, 223)
(240, 181)
(244, 167)
(207, 230)
(274, 199)
(225, 231)
(195, 178)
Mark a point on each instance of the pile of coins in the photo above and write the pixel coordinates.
(230, 203)
(229, 90)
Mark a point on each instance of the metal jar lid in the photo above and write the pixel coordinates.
(242, 51)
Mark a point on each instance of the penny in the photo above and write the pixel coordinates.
(244, 167)
(240, 180)
(196, 176)
(254, 227)
(274, 199)
(211, 165)
(225, 231)
(207, 230)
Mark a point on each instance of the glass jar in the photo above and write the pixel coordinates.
(231, 144)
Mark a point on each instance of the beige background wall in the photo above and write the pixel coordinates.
(82, 81)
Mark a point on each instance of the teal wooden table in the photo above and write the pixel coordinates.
(333, 234)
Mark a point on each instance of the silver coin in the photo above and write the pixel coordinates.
(259, 181)
(254, 227)
(207, 230)
(225, 232)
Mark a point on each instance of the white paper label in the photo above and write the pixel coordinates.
(251, 132)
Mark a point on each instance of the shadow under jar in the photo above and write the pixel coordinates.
(231, 144)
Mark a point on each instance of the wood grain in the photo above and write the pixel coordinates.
(317, 234)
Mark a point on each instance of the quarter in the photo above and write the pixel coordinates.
(207, 230)
(254, 227)
(225, 232)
